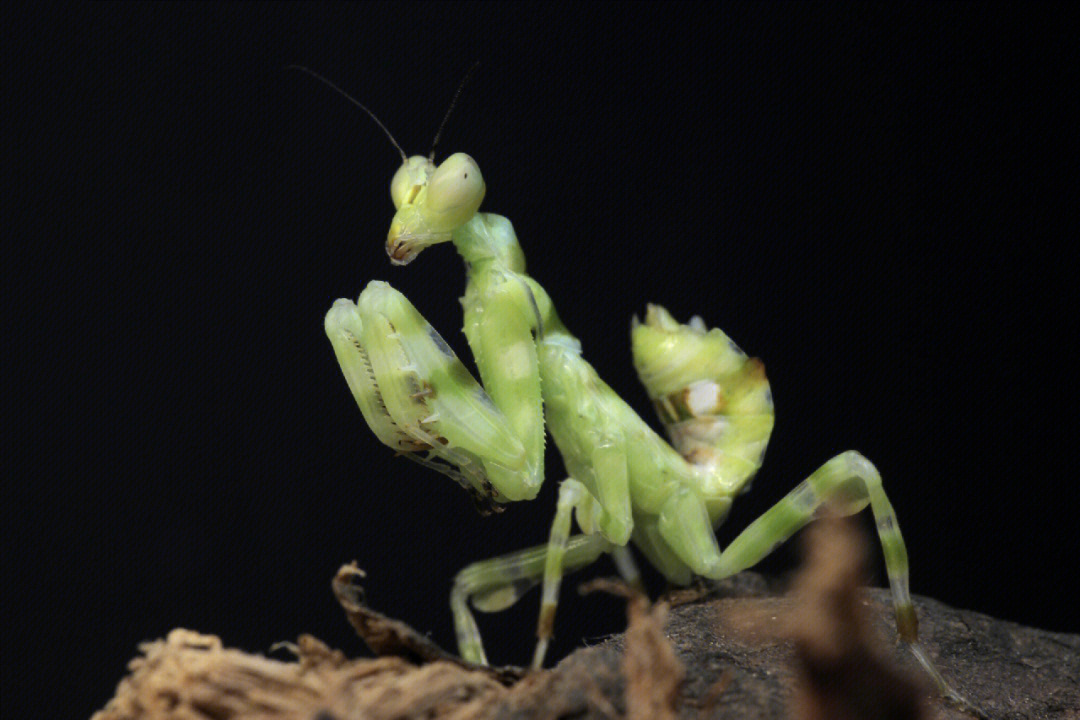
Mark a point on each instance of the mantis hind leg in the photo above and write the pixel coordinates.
(496, 584)
(845, 484)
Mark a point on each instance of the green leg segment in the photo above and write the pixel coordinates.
(628, 569)
(560, 559)
(845, 485)
(496, 584)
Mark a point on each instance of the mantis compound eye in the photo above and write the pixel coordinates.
(455, 191)
(429, 213)
(409, 179)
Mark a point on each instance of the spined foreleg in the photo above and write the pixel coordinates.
(421, 400)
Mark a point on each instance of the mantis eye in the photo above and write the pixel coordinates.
(409, 179)
(455, 190)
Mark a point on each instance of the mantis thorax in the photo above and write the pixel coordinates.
(488, 240)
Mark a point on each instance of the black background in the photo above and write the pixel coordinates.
(867, 198)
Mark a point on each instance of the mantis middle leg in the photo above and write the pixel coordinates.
(496, 584)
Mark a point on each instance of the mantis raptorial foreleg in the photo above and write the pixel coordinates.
(422, 401)
(500, 323)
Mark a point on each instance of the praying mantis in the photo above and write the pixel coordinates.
(626, 485)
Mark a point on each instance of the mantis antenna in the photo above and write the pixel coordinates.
(358, 104)
(438, 133)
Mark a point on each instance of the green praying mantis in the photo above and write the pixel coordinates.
(626, 484)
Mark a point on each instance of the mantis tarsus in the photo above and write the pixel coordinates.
(626, 484)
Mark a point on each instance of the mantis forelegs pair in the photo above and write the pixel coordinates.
(626, 483)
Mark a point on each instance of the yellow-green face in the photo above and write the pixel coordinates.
(431, 203)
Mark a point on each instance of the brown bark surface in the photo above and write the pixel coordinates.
(826, 650)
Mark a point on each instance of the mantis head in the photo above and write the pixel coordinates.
(431, 203)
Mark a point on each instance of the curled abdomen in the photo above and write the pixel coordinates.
(714, 401)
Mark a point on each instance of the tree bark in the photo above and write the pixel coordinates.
(737, 660)
(824, 651)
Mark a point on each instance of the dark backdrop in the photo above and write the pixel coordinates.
(868, 199)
